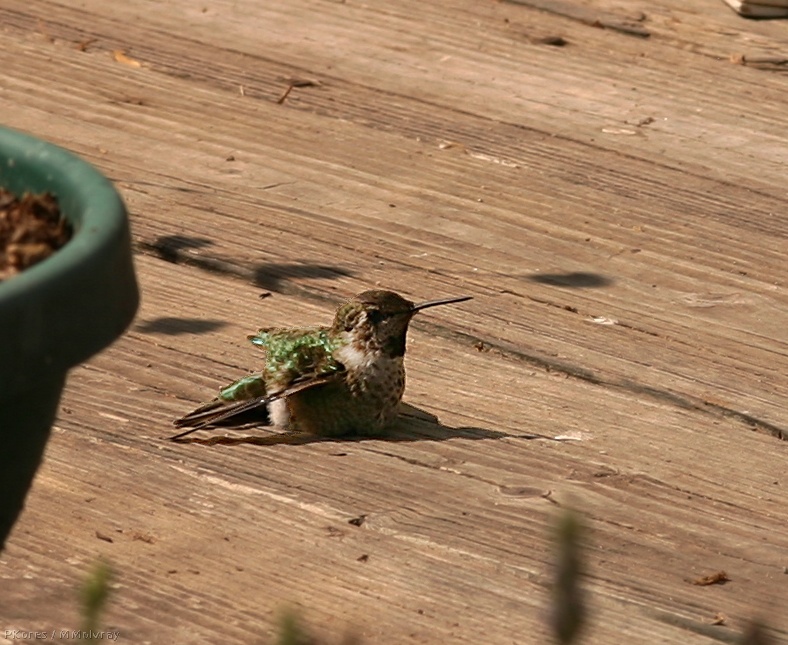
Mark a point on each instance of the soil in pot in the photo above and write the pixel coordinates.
(31, 229)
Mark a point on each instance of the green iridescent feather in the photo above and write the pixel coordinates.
(248, 387)
(294, 353)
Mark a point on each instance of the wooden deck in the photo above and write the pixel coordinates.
(608, 182)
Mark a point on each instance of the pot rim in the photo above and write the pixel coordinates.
(77, 301)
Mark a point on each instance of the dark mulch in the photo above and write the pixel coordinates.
(31, 229)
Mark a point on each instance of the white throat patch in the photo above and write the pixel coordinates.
(354, 358)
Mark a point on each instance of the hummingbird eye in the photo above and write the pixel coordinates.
(374, 316)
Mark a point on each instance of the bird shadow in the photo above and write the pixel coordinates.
(169, 247)
(413, 424)
(273, 276)
(572, 280)
(170, 326)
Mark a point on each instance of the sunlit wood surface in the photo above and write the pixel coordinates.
(607, 180)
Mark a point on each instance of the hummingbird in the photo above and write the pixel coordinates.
(331, 381)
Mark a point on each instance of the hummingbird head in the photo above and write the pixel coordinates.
(378, 320)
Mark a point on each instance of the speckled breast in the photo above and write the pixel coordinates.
(364, 403)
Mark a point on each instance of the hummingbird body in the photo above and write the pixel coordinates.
(328, 381)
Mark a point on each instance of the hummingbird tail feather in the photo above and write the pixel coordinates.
(196, 417)
(217, 412)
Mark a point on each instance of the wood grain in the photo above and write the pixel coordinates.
(616, 207)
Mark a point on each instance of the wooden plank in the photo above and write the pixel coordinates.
(449, 513)
(602, 244)
(629, 293)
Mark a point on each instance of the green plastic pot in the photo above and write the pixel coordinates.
(59, 312)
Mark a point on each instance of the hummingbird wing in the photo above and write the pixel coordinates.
(218, 410)
(296, 359)
(229, 399)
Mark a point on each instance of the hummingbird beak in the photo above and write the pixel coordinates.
(435, 303)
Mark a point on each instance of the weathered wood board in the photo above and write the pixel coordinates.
(617, 207)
